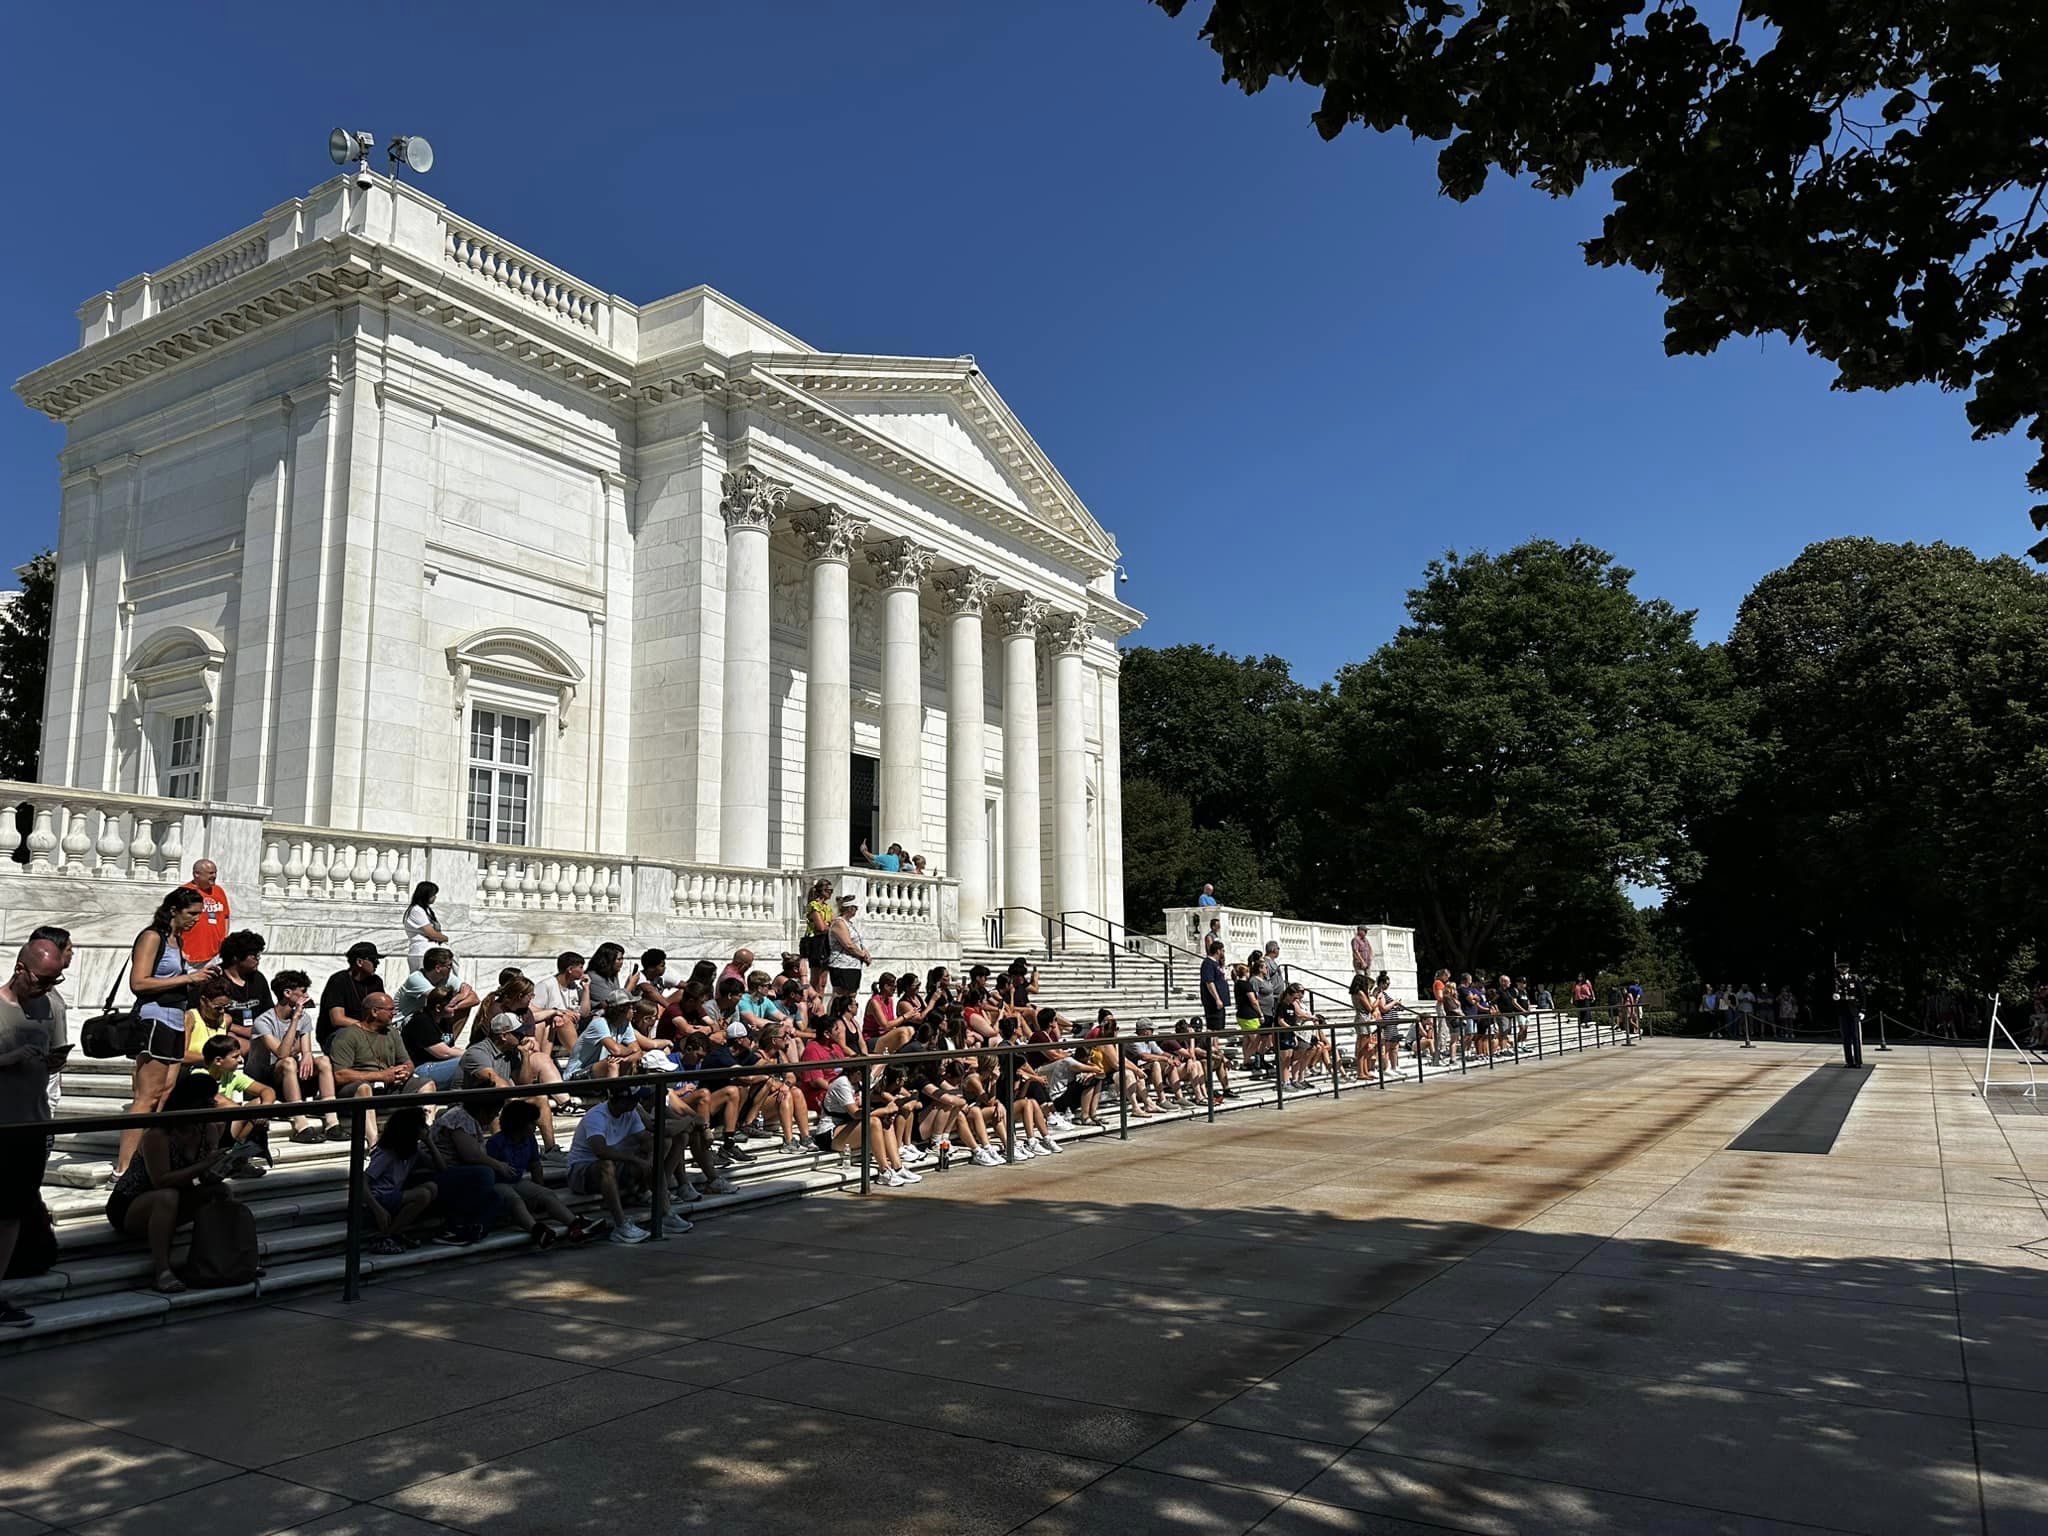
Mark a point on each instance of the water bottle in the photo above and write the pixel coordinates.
(945, 1153)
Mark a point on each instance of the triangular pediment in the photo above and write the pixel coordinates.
(944, 413)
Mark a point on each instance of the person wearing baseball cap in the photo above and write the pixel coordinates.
(341, 1000)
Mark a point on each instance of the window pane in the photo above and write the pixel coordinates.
(516, 740)
(479, 805)
(512, 808)
(483, 730)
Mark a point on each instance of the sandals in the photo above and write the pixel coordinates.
(168, 1284)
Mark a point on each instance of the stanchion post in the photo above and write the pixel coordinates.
(1209, 1066)
(657, 1204)
(1123, 1095)
(1747, 1043)
(352, 1255)
(1880, 1031)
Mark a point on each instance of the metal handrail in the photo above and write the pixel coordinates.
(354, 1109)
(1049, 922)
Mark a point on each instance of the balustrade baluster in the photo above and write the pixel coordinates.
(401, 875)
(615, 889)
(142, 849)
(111, 845)
(359, 876)
(76, 844)
(318, 868)
(272, 868)
(295, 867)
(529, 884)
(380, 874)
(42, 842)
(579, 889)
(171, 847)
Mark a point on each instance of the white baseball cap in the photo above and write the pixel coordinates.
(736, 1031)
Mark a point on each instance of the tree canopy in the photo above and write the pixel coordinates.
(24, 665)
(1864, 177)
(1894, 801)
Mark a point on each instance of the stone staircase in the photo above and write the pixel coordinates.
(1076, 980)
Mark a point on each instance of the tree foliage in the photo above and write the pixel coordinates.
(1864, 177)
(1894, 805)
(24, 667)
(1535, 736)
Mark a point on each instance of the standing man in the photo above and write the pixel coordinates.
(1274, 969)
(1361, 953)
(1848, 996)
(1215, 989)
(31, 1048)
(203, 942)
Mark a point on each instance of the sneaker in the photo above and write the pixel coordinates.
(544, 1236)
(385, 1245)
(984, 1158)
(336, 1133)
(912, 1154)
(1060, 1120)
(629, 1233)
(674, 1225)
(449, 1237)
(796, 1146)
(1048, 1147)
(905, 1176)
(1023, 1153)
(733, 1152)
(581, 1231)
(721, 1186)
(889, 1178)
(12, 1316)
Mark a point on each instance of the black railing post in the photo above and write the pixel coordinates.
(1209, 1065)
(1539, 1034)
(866, 1121)
(1123, 1096)
(1009, 1072)
(657, 1205)
(1336, 1069)
(1279, 1068)
(352, 1254)
(1379, 1052)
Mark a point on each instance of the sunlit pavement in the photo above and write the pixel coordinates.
(1536, 1300)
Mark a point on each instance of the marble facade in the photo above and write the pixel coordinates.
(364, 507)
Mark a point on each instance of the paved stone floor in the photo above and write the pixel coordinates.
(1541, 1300)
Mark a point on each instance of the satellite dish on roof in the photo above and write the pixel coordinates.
(414, 152)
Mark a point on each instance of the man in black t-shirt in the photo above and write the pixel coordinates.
(341, 1000)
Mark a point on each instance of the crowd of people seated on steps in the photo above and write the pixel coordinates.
(216, 1031)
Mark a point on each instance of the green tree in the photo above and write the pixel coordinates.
(1895, 807)
(1534, 736)
(1864, 177)
(24, 667)
(1210, 767)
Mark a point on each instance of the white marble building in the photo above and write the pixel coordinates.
(420, 546)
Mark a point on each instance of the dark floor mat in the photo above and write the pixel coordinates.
(1808, 1117)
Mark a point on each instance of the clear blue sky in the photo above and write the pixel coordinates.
(1234, 339)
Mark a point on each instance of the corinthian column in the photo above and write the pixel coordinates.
(901, 565)
(1018, 615)
(829, 534)
(750, 504)
(963, 590)
(1067, 636)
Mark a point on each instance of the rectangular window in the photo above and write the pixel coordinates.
(182, 759)
(501, 772)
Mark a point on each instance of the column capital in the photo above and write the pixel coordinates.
(902, 564)
(1067, 632)
(750, 499)
(963, 589)
(829, 533)
(1019, 613)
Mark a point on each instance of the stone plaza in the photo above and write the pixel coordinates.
(1545, 1299)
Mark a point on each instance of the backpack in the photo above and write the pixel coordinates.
(224, 1247)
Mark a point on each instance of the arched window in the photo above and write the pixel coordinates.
(173, 682)
(508, 686)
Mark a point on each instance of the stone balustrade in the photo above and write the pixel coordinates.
(526, 880)
(318, 864)
(82, 835)
(901, 898)
(485, 258)
(734, 895)
(1311, 946)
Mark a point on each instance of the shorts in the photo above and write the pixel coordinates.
(1468, 1025)
(442, 1074)
(815, 947)
(190, 1198)
(845, 978)
(164, 1042)
(1212, 1018)
(588, 1178)
(1251, 1023)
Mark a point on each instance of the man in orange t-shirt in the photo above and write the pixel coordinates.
(202, 942)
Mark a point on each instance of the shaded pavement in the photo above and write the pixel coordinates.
(1541, 1300)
